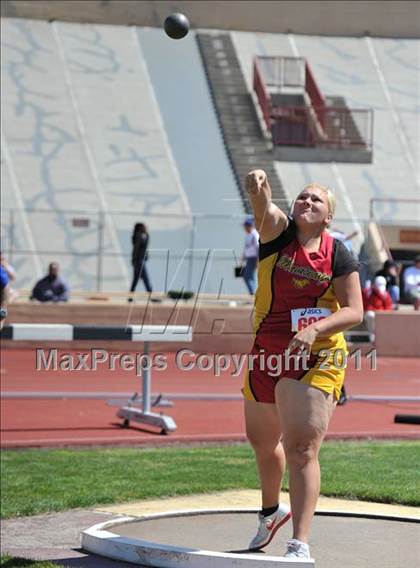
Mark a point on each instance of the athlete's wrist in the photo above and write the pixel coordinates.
(317, 328)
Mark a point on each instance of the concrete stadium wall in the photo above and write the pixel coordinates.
(336, 18)
(397, 334)
(130, 143)
(217, 329)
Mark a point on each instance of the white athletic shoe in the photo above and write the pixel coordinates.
(269, 526)
(297, 549)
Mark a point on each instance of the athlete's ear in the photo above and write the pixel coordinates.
(328, 219)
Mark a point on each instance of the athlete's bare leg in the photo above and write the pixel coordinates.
(304, 414)
(264, 433)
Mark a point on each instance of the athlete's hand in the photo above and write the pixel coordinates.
(255, 181)
(303, 340)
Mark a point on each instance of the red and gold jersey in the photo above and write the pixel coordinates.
(294, 284)
(291, 278)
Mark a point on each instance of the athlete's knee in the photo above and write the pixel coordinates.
(300, 451)
(262, 444)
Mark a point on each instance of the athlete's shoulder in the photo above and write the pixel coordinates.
(277, 244)
(344, 261)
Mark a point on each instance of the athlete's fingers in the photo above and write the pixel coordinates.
(261, 178)
(300, 346)
(294, 345)
(251, 184)
(255, 181)
(260, 175)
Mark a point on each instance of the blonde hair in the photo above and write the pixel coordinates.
(330, 196)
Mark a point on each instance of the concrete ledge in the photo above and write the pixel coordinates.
(346, 18)
(301, 154)
(173, 532)
(103, 539)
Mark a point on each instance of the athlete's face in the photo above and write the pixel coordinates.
(311, 207)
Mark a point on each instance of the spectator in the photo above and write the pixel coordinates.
(52, 287)
(11, 273)
(411, 280)
(375, 299)
(250, 255)
(345, 239)
(364, 260)
(139, 256)
(4, 294)
(390, 271)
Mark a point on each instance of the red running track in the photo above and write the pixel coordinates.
(43, 422)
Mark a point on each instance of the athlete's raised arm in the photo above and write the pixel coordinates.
(270, 220)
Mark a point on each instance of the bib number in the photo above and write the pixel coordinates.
(303, 317)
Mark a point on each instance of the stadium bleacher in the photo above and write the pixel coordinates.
(115, 124)
(346, 67)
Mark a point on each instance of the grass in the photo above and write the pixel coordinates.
(40, 481)
(11, 562)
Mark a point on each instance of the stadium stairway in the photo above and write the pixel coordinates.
(245, 144)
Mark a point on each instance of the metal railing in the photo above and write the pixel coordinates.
(281, 72)
(333, 127)
(183, 252)
(80, 242)
(317, 99)
(313, 123)
(373, 214)
(262, 93)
